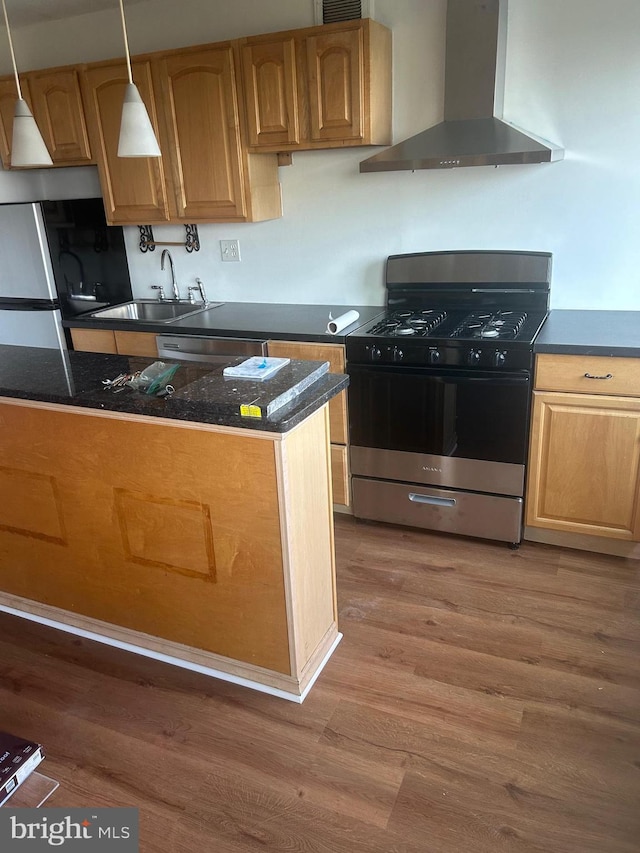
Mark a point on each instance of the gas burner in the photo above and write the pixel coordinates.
(501, 324)
(420, 322)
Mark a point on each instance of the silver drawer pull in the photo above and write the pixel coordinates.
(429, 499)
(589, 376)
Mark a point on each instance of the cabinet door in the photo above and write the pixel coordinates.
(8, 97)
(133, 189)
(340, 475)
(202, 134)
(336, 99)
(584, 467)
(136, 343)
(270, 92)
(334, 354)
(59, 113)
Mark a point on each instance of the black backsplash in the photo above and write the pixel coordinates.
(88, 256)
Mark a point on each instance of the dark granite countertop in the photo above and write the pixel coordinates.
(202, 393)
(261, 320)
(568, 332)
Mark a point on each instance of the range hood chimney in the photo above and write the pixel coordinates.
(472, 133)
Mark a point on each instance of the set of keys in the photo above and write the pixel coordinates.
(120, 381)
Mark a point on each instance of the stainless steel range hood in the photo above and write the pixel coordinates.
(472, 133)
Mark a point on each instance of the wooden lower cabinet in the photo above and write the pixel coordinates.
(584, 464)
(335, 355)
(136, 343)
(210, 544)
(340, 475)
(93, 340)
(122, 343)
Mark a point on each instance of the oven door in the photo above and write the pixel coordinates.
(461, 429)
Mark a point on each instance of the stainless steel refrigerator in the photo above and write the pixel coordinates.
(29, 307)
(57, 259)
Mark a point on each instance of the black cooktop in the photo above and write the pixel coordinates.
(453, 324)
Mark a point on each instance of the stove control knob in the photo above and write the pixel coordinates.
(375, 353)
(474, 356)
(398, 355)
(434, 356)
(499, 358)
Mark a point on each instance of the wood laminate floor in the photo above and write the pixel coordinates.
(482, 700)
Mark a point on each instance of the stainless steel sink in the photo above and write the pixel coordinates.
(150, 311)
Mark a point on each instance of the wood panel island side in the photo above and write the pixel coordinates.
(171, 527)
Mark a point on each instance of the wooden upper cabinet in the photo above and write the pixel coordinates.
(8, 97)
(59, 113)
(335, 68)
(270, 77)
(212, 176)
(318, 87)
(133, 188)
(197, 97)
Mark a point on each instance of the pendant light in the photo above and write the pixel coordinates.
(137, 138)
(27, 146)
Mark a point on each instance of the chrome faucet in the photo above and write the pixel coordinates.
(174, 284)
(200, 288)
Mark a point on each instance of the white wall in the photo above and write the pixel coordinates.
(573, 76)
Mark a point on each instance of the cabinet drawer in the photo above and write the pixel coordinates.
(340, 475)
(587, 374)
(93, 340)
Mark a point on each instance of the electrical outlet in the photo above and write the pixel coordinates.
(230, 250)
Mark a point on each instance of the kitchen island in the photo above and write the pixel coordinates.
(173, 527)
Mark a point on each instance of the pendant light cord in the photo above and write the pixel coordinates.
(126, 40)
(13, 56)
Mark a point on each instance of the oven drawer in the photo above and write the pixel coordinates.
(468, 513)
(588, 374)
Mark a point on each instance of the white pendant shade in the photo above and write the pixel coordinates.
(27, 147)
(137, 138)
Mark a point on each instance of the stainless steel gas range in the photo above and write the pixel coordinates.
(440, 392)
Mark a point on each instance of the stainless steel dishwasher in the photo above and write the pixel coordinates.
(213, 349)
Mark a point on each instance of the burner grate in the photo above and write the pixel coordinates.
(500, 325)
(406, 323)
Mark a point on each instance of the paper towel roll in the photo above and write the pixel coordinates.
(341, 322)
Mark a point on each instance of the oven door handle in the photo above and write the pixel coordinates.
(432, 500)
(450, 375)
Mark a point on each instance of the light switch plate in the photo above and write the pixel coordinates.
(230, 250)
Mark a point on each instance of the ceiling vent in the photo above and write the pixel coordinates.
(332, 11)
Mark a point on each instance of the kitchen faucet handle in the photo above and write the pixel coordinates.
(190, 291)
(200, 287)
(160, 288)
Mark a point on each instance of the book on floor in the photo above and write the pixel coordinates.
(18, 759)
